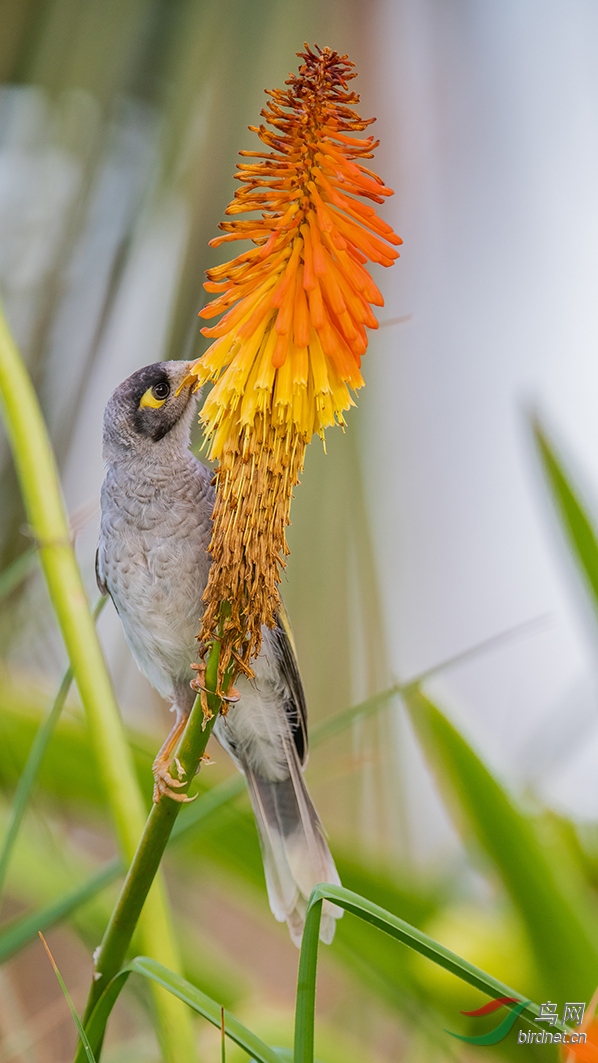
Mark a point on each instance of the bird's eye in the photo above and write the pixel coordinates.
(156, 396)
(161, 391)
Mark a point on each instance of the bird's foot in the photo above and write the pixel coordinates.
(231, 697)
(165, 785)
(198, 685)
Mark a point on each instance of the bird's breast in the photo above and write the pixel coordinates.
(152, 556)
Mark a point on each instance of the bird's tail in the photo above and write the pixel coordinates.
(296, 856)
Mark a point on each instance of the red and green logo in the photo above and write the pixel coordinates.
(492, 1037)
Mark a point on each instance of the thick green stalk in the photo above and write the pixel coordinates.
(161, 820)
(40, 487)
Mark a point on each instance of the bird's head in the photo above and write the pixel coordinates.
(150, 408)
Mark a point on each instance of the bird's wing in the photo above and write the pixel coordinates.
(295, 706)
(100, 582)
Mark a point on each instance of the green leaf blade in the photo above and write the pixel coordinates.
(403, 932)
(558, 917)
(17, 572)
(26, 928)
(186, 992)
(576, 524)
(89, 1055)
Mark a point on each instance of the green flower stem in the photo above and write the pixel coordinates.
(40, 488)
(161, 820)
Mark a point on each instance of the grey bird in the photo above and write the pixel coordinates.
(153, 561)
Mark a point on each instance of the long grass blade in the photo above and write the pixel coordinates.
(558, 916)
(24, 929)
(190, 995)
(82, 1035)
(329, 728)
(397, 928)
(32, 766)
(576, 524)
(305, 1017)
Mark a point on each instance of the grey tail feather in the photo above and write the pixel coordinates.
(296, 856)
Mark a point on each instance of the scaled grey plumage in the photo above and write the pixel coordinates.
(152, 560)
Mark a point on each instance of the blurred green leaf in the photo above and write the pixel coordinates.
(30, 772)
(68, 771)
(50, 874)
(82, 1035)
(25, 929)
(576, 524)
(558, 916)
(17, 572)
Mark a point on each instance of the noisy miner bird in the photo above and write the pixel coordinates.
(152, 559)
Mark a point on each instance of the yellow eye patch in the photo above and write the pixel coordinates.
(149, 399)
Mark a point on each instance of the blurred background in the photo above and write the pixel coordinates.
(424, 533)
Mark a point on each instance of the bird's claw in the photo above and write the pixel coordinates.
(198, 685)
(231, 697)
(165, 785)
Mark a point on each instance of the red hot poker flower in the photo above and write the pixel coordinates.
(287, 353)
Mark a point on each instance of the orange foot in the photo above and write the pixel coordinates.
(165, 785)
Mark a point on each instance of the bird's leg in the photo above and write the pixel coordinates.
(164, 783)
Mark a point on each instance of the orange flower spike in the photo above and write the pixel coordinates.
(301, 313)
(309, 279)
(316, 306)
(288, 346)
